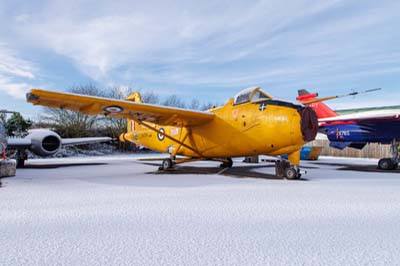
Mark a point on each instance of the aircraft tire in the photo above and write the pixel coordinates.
(292, 173)
(386, 164)
(166, 164)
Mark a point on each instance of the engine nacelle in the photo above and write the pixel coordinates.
(44, 142)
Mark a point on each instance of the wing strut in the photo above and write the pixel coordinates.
(173, 139)
(187, 133)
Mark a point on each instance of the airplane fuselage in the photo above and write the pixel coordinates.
(372, 131)
(266, 127)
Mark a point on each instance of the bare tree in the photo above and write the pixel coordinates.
(194, 104)
(206, 106)
(174, 101)
(70, 123)
(150, 97)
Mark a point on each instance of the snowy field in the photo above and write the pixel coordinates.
(120, 211)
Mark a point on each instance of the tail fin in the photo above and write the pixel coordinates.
(131, 124)
(322, 110)
(134, 97)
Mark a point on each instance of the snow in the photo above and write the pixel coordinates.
(116, 210)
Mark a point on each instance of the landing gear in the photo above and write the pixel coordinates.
(292, 173)
(169, 163)
(283, 168)
(227, 164)
(390, 163)
(166, 164)
(21, 157)
(387, 164)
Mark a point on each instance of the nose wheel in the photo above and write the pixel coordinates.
(292, 173)
(283, 168)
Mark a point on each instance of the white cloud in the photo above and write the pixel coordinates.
(11, 64)
(177, 34)
(13, 72)
(221, 44)
(22, 18)
(16, 90)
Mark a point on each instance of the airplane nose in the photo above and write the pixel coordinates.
(309, 124)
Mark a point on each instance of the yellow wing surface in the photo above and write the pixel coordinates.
(91, 105)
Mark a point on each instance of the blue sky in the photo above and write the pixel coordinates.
(207, 50)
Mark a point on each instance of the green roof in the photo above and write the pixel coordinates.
(358, 110)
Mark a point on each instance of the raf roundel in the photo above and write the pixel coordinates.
(161, 134)
(113, 109)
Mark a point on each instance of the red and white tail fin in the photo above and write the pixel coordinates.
(322, 110)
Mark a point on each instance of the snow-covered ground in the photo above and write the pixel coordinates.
(118, 211)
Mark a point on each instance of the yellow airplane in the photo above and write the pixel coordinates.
(251, 123)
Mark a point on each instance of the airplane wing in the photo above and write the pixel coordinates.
(14, 143)
(18, 143)
(91, 105)
(79, 141)
(365, 116)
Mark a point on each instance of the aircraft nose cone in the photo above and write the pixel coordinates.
(309, 124)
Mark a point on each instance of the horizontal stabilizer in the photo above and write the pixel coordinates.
(303, 92)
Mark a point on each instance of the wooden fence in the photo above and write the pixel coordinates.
(372, 150)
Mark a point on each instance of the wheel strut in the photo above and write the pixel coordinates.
(283, 168)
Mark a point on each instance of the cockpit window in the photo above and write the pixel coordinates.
(259, 95)
(253, 94)
(243, 98)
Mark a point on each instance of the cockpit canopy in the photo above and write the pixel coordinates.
(253, 94)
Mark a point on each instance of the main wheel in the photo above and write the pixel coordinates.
(292, 173)
(166, 164)
(385, 164)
